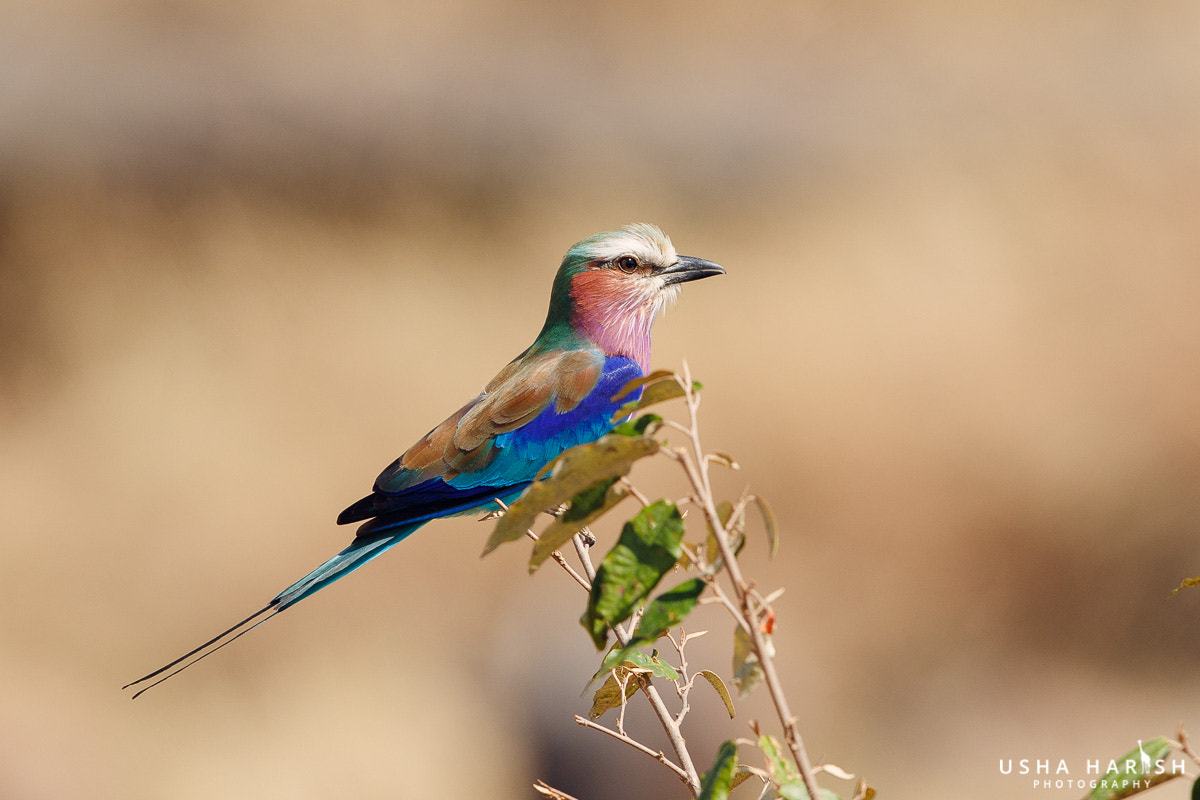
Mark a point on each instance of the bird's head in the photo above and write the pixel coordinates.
(611, 286)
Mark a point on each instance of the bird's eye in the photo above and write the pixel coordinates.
(627, 264)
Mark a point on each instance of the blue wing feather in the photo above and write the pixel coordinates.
(518, 456)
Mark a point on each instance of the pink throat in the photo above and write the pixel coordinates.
(611, 313)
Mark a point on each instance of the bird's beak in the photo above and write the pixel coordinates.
(687, 268)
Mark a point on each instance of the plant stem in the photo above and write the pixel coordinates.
(657, 755)
(665, 717)
(697, 470)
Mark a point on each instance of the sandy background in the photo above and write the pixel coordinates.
(249, 252)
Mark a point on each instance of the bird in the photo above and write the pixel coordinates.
(558, 393)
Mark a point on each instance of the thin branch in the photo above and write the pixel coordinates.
(669, 725)
(665, 718)
(556, 555)
(670, 423)
(683, 686)
(546, 790)
(633, 490)
(723, 598)
(622, 677)
(697, 471)
(1185, 745)
(562, 562)
(688, 772)
(585, 558)
(657, 755)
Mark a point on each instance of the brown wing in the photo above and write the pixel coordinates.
(464, 442)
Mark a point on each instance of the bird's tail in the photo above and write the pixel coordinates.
(358, 553)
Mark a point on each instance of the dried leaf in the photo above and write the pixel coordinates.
(1186, 583)
(609, 695)
(653, 394)
(768, 522)
(724, 459)
(741, 775)
(715, 681)
(568, 475)
(712, 549)
(691, 555)
(635, 384)
(747, 671)
(837, 772)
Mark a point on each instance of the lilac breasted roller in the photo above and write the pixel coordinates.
(556, 394)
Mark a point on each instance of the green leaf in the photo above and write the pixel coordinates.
(663, 613)
(642, 425)
(795, 790)
(566, 476)
(715, 681)
(629, 660)
(668, 610)
(747, 670)
(1196, 790)
(781, 768)
(1135, 772)
(717, 782)
(791, 785)
(586, 502)
(609, 695)
(647, 549)
(631, 657)
(586, 507)
(657, 387)
(653, 664)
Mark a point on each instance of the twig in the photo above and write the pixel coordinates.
(657, 755)
(683, 686)
(562, 562)
(1185, 745)
(546, 790)
(696, 467)
(585, 557)
(744, 603)
(665, 718)
(636, 492)
(556, 555)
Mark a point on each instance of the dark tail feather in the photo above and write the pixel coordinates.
(203, 647)
(203, 655)
(358, 553)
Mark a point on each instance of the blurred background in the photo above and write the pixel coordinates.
(250, 251)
